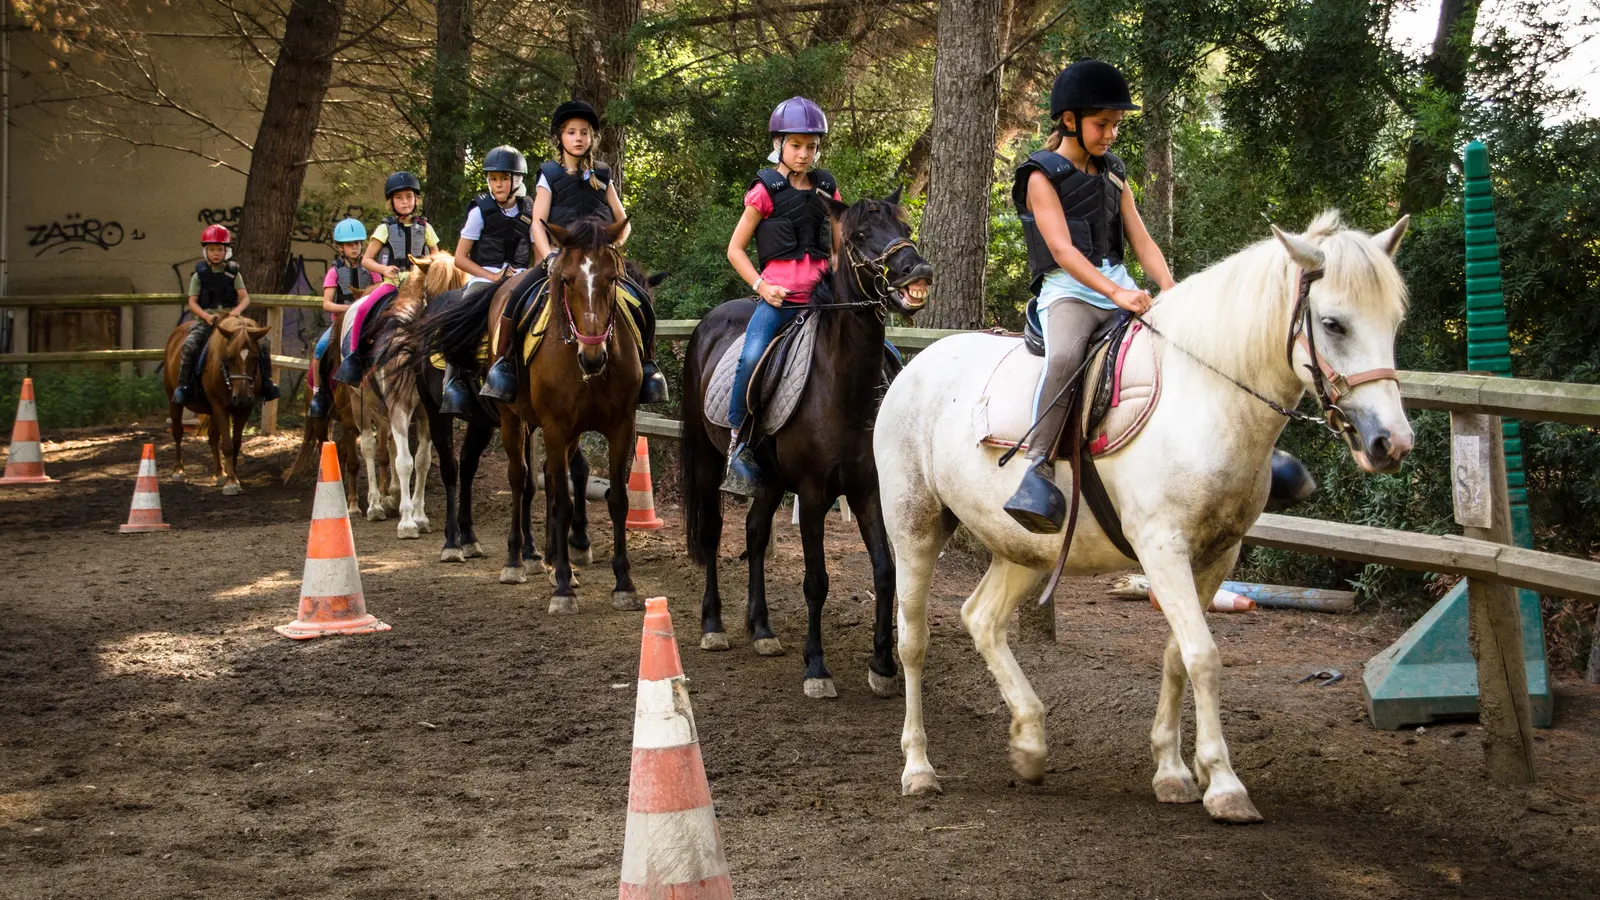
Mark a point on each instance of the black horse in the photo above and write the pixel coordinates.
(825, 448)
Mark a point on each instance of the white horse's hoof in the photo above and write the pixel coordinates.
(1028, 764)
(1176, 789)
(534, 566)
(884, 686)
(584, 557)
(513, 575)
(563, 606)
(550, 570)
(232, 490)
(919, 784)
(177, 478)
(353, 510)
(1232, 808)
(821, 689)
(769, 647)
(408, 531)
(625, 601)
(714, 641)
(391, 505)
(451, 555)
(473, 550)
(375, 513)
(423, 525)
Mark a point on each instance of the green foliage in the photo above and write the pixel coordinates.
(75, 399)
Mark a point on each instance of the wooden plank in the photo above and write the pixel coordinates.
(658, 426)
(82, 356)
(1520, 398)
(269, 409)
(1472, 469)
(65, 301)
(291, 362)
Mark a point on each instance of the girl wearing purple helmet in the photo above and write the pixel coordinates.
(785, 214)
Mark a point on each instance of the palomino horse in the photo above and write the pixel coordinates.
(230, 381)
(342, 425)
(824, 450)
(1187, 488)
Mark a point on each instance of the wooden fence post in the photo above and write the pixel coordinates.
(269, 409)
(1478, 476)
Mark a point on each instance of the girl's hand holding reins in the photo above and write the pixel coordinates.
(772, 293)
(391, 271)
(1132, 300)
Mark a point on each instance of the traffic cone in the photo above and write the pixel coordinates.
(145, 514)
(1224, 601)
(24, 462)
(641, 494)
(330, 590)
(672, 849)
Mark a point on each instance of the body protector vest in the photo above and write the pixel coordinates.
(351, 279)
(1092, 203)
(505, 239)
(571, 197)
(405, 241)
(216, 287)
(799, 223)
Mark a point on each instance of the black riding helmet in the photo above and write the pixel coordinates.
(1088, 84)
(401, 181)
(505, 158)
(573, 109)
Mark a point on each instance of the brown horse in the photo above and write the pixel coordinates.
(230, 382)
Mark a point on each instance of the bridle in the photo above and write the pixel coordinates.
(877, 269)
(573, 334)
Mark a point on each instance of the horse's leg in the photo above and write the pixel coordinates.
(558, 485)
(708, 500)
(814, 504)
(621, 446)
(424, 462)
(369, 455)
(1173, 781)
(349, 469)
(400, 471)
(986, 614)
(530, 489)
(578, 544)
(235, 445)
(175, 414)
(869, 518)
(472, 447)
(388, 457)
(512, 435)
(916, 551)
(450, 474)
(1172, 580)
(757, 535)
(214, 438)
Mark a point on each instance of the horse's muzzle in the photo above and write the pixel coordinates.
(593, 364)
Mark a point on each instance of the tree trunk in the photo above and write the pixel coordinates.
(966, 100)
(1445, 71)
(284, 142)
(1593, 673)
(1157, 207)
(447, 120)
(605, 53)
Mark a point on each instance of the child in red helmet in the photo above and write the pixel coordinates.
(216, 285)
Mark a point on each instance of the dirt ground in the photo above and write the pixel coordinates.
(158, 740)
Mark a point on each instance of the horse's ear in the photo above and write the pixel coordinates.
(421, 262)
(656, 278)
(835, 208)
(227, 327)
(615, 229)
(1389, 241)
(894, 198)
(1305, 254)
(257, 333)
(558, 235)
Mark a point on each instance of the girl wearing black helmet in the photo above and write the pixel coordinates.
(1076, 213)
(402, 234)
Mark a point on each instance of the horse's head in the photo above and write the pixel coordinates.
(239, 363)
(584, 277)
(1342, 335)
(878, 256)
(436, 273)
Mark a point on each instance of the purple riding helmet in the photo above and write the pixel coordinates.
(796, 115)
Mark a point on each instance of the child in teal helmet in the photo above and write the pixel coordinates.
(347, 281)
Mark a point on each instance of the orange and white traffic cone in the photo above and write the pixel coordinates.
(641, 493)
(672, 849)
(1224, 601)
(145, 514)
(331, 601)
(24, 462)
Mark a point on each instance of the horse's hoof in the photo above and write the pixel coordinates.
(552, 573)
(1232, 809)
(584, 557)
(451, 555)
(884, 686)
(769, 647)
(375, 513)
(714, 641)
(423, 525)
(919, 784)
(353, 510)
(408, 531)
(821, 689)
(625, 601)
(535, 566)
(231, 490)
(1028, 764)
(474, 550)
(563, 606)
(1176, 789)
(513, 575)
(391, 506)
(177, 478)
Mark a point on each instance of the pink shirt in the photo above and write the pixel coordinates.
(799, 276)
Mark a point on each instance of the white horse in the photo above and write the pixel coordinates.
(1187, 487)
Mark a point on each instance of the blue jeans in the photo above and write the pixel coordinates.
(322, 343)
(765, 323)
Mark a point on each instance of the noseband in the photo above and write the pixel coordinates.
(572, 324)
(877, 268)
(1328, 384)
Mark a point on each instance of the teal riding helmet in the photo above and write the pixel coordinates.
(348, 230)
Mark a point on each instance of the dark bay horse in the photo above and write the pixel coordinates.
(230, 382)
(824, 450)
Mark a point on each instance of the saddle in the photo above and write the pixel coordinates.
(361, 319)
(777, 383)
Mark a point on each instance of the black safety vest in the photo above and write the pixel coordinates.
(571, 196)
(505, 238)
(351, 279)
(799, 223)
(1093, 204)
(405, 241)
(216, 288)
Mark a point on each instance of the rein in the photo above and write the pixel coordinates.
(878, 267)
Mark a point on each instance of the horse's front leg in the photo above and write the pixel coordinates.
(814, 504)
(986, 614)
(1172, 580)
(450, 474)
(175, 416)
(578, 543)
(530, 490)
(869, 518)
(514, 438)
(423, 462)
(349, 468)
(214, 432)
(400, 441)
(558, 486)
(621, 446)
(235, 442)
(757, 536)
(369, 456)
(472, 447)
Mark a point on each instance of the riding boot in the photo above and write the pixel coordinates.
(187, 391)
(653, 386)
(457, 397)
(1291, 482)
(320, 402)
(269, 389)
(744, 475)
(501, 384)
(1038, 505)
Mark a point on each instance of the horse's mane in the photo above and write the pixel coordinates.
(588, 234)
(442, 274)
(1226, 312)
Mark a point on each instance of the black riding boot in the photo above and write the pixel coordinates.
(1038, 505)
(187, 391)
(322, 396)
(458, 394)
(1291, 482)
(744, 475)
(269, 390)
(501, 383)
(653, 387)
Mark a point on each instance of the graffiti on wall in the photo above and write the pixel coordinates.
(316, 231)
(74, 231)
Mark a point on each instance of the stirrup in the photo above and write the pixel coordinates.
(653, 389)
(502, 381)
(1038, 505)
(744, 476)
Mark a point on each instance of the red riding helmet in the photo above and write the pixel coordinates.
(215, 234)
